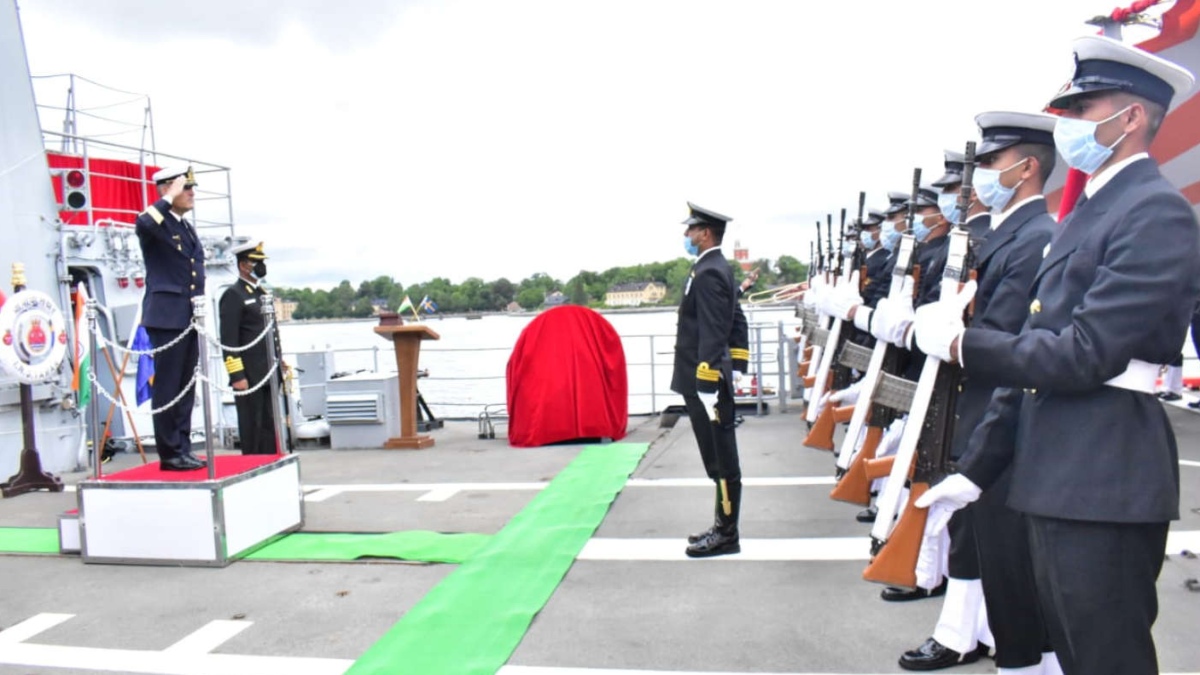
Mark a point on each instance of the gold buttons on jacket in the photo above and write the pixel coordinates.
(1035, 306)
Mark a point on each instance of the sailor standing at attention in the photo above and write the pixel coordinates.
(242, 322)
(704, 374)
(1093, 459)
(174, 258)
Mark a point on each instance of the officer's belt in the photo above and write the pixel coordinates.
(1139, 376)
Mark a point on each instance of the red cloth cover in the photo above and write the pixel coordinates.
(567, 380)
(116, 188)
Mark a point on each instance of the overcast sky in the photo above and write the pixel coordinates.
(485, 138)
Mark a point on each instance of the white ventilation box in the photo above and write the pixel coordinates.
(362, 410)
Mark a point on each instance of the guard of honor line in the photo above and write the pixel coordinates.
(1063, 467)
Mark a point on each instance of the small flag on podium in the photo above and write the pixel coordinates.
(407, 304)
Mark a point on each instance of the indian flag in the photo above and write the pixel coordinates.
(83, 350)
(407, 304)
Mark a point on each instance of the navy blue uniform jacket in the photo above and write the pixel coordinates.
(706, 326)
(1118, 283)
(174, 261)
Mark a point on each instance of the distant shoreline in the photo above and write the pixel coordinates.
(463, 315)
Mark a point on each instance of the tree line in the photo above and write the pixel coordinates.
(344, 301)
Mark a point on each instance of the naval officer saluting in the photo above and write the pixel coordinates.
(174, 258)
(1094, 462)
(704, 372)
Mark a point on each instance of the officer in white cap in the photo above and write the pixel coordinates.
(1093, 458)
(242, 322)
(174, 259)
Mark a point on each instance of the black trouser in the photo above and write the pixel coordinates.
(173, 369)
(717, 441)
(1009, 591)
(1096, 583)
(1196, 331)
(256, 423)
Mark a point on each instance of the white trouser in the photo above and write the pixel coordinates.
(958, 625)
(1173, 381)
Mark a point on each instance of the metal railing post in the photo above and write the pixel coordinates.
(758, 371)
(268, 311)
(198, 314)
(94, 404)
(781, 361)
(653, 386)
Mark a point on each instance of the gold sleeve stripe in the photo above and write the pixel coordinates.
(703, 372)
(739, 354)
(158, 217)
(233, 365)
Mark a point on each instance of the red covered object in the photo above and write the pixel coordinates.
(567, 380)
(118, 190)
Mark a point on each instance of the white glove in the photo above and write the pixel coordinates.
(813, 294)
(892, 319)
(937, 325)
(710, 404)
(737, 377)
(952, 494)
(847, 396)
(932, 561)
(842, 298)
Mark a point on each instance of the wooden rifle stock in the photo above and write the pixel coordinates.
(879, 467)
(820, 437)
(855, 487)
(896, 563)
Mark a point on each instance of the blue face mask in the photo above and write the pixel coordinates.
(867, 239)
(919, 229)
(994, 194)
(691, 248)
(889, 236)
(1076, 142)
(848, 248)
(948, 204)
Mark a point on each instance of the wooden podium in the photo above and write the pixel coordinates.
(407, 340)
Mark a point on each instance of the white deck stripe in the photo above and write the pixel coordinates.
(439, 495)
(780, 550)
(784, 481)
(165, 663)
(209, 637)
(555, 670)
(30, 627)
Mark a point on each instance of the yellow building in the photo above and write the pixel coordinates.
(284, 309)
(635, 294)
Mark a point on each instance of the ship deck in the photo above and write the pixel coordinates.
(628, 601)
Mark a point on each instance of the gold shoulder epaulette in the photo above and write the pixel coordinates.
(154, 213)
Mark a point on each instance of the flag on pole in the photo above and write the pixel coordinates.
(83, 350)
(407, 304)
(145, 366)
(429, 306)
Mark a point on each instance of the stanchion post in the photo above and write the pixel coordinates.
(268, 312)
(198, 314)
(94, 404)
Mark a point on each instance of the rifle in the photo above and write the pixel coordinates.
(860, 260)
(854, 484)
(927, 434)
(830, 347)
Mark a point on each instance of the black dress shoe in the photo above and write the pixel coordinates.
(1194, 405)
(693, 538)
(182, 463)
(867, 515)
(715, 543)
(1170, 396)
(893, 594)
(933, 655)
(194, 458)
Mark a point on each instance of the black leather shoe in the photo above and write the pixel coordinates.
(867, 515)
(194, 458)
(892, 594)
(1194, 405)
(715, 543)
(693, 538)
(182, 463)
(933, 655)
(1170, 396)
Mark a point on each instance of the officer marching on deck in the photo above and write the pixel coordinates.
(704, 373)
(174, 258)
(1093, 458)
(242, 322)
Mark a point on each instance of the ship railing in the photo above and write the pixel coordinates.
(649, 363)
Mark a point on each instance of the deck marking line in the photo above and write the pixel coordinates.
(439, 495)
(166, 663)
(31, 626)
(209, 637)
(783, 481)
(321, 494)
(470, 623)
(553, 670)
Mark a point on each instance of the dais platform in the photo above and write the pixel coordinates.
(147, 516)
